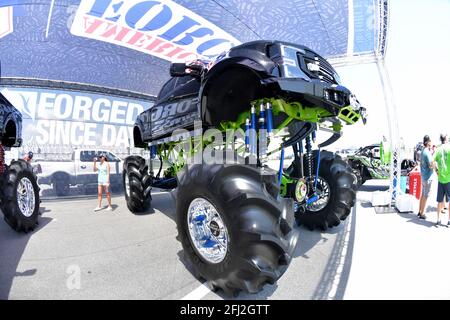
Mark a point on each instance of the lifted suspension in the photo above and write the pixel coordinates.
(308, 158)
(2, 159)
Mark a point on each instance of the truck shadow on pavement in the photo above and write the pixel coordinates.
(12, 247)
(308, 240)
(165, 207)
(372, 188)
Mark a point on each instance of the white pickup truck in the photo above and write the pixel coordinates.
(78, 171)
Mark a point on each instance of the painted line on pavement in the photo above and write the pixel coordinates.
(198, 293)
(340, 268)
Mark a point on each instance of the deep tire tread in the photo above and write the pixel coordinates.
(140, 183)
(343, 185)
(8, 186)
(262, 253)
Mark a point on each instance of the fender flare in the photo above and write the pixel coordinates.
(137, 128)
(262, 68)
(17, 121)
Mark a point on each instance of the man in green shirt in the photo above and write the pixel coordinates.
(442, 160)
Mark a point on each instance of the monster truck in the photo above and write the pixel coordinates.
(235, 217)
(19, 192)
(367, 164)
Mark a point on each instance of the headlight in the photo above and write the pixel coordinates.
(313, 67)
(354, 103)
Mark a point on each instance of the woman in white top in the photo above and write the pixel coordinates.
(103, 170)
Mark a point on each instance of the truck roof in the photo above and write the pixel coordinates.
(4, 101)
(261, 45)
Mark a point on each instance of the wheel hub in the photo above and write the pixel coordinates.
(214, 228)
(322, 193)
(301, 190)
(25, 197)
(207, 231)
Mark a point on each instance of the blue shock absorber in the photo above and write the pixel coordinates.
(247, 134)
(317, 170)
(262, 117)
(262, 133)
(280, 172)
(314, 198)
(253, 130)
(269, 120)
(153, 152)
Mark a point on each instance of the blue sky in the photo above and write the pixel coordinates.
(418, 61)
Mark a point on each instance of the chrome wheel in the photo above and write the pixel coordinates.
(323, 196)
(127, 184)
(207, 231)
(25, 197)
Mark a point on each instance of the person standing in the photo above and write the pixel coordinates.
(103, 170)
(28, 157)
(442, 160)
(426, 174)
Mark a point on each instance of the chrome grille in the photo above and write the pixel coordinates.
(325, 71)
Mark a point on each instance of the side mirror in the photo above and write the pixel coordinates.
(181, 69)
(178, 69)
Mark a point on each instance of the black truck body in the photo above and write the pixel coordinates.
(286, 70)
(10, 124)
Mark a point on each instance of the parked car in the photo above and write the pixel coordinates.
(79, 170)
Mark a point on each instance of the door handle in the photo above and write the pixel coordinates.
(83, 167)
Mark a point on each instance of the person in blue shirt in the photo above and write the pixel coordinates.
(426, 174)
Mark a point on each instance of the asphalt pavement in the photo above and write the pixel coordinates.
(77, 253)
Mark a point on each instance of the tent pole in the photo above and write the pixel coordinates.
(394, 139)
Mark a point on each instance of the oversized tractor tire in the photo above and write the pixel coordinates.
(19, 192)
(234, 232)
(137, 183)
(336, 188)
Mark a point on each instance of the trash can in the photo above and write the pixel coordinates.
(415, 183)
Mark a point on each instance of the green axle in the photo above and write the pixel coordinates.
(293, 110)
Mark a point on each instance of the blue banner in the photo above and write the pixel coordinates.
(129, 45)
(68, 118)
